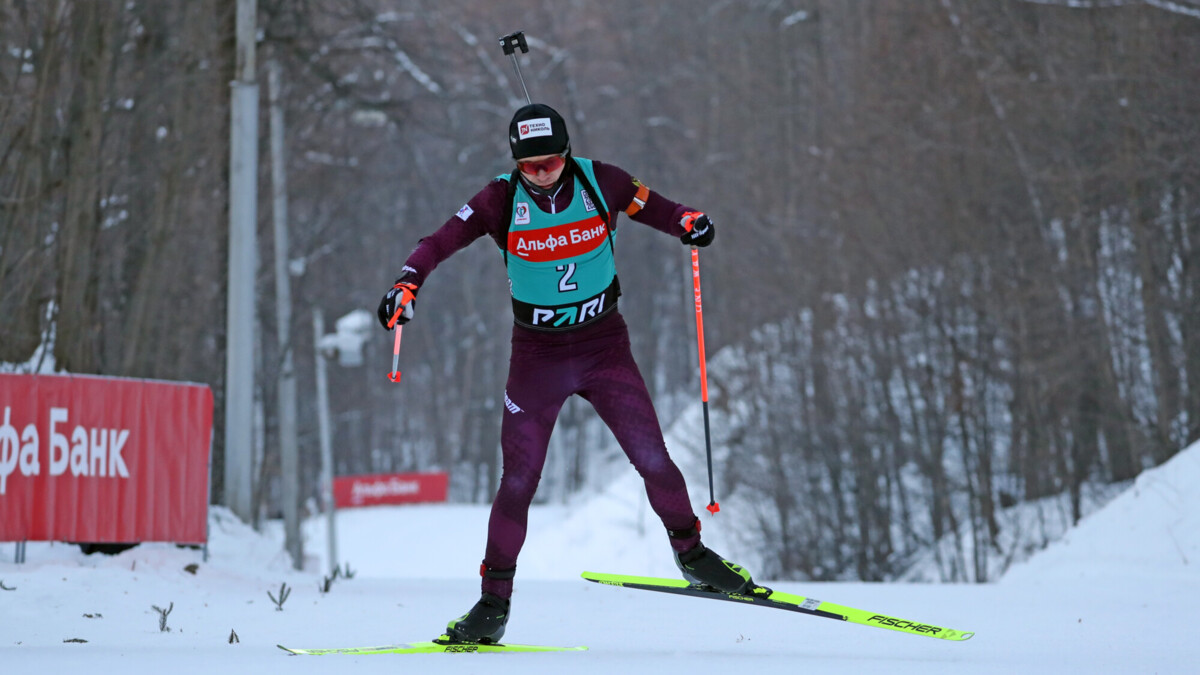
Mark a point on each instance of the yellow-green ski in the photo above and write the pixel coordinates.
(762, 596)
(439, 646)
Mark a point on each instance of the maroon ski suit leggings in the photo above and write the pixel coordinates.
(546, 368)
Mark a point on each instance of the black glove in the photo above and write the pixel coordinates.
(700, 229)
(402, 294)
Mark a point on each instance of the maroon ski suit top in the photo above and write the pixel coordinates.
(593, 361)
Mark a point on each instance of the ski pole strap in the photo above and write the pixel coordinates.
(685, 533)
(489, 573)
(408, 293)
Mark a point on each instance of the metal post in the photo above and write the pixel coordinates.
(243, 261)
(288, 452)
(326, 436)
(208, 502)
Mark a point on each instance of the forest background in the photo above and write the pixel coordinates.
(957, 264)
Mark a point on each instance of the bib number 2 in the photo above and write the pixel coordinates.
(565, 284)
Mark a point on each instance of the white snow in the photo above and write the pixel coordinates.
(42, 360)
(1117, 595)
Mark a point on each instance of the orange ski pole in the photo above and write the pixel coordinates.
(713, 506)
(394, 376)
(405, 297)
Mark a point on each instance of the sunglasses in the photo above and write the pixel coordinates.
(549, 165)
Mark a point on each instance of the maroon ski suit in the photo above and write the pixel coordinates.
(593, 361)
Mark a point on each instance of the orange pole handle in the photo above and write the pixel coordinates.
(406, 296)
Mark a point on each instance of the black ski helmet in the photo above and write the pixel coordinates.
(537, 129)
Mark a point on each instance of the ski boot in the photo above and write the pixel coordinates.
(703, 567)
(484, 624)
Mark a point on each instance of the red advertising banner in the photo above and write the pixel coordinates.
(103, 460)
(392, 488)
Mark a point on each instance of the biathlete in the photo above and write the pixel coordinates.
(555, 221)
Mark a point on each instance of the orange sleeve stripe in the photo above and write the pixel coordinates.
(639, 200)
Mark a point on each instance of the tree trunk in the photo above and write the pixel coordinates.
(77, 348)
(23, 261)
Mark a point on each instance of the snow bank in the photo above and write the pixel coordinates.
(1151, 532)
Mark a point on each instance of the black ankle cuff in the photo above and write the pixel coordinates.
(687, 532)
(694, 553)
(502, 575)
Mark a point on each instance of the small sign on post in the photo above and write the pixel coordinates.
(395, 488)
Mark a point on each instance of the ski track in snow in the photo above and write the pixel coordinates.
(1116, 595)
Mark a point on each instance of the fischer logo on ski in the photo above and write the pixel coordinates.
(904, 625)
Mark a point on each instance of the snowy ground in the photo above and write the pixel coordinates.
(1117, 595)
